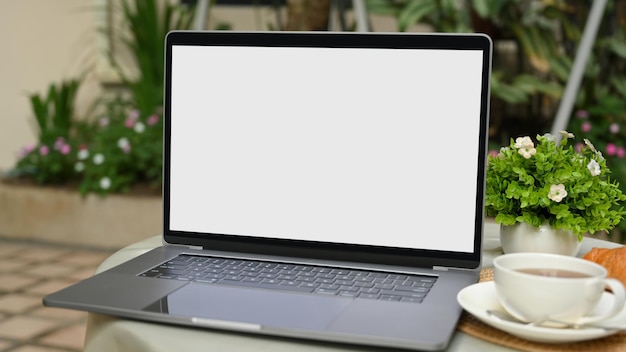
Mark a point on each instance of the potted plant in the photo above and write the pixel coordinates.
(547, 196)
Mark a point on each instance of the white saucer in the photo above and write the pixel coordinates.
(478, 298)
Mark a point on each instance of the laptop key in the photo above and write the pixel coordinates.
(390, 298)
(368, 295)
(326, 291)
(412, 299)
(266, 286)
(404, 293)
(412, 289)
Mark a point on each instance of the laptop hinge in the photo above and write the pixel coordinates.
(184, 246)
(448, 268)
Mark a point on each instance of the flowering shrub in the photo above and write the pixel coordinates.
(605, 124)
(112, 154)
(553, 183)
(123, 148)
(609, 134)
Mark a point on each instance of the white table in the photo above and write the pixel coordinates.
(105, 333)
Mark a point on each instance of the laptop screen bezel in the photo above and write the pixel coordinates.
(323, 250)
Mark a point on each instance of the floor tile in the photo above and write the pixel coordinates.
(70, 337)
(8, 248)
(81, 274)
(29, 271)
(33, 348)
(18, 303)
(39, 254)
(14, 282)
(22, 327)
(59, 314)
(51, 270)
(10, 265)
(5, 344)
(84, 258)
(46, 287)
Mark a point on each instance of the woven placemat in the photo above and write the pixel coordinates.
(474, 327)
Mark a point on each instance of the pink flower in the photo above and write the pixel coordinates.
(129, 123)
(59, 143)
(614, 128)
(65, 149)
(611, 149)
(44, 150)
(104, 121)
(585, 127)
(582, 114)
(134, 114)
(27, 149)
(621, 152)
(578, 147)
(153, 119)
(493, 153)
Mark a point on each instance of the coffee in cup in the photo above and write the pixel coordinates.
(534, 287)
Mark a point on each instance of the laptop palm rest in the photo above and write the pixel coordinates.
(212, 303)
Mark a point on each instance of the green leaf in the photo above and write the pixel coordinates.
(414, 11)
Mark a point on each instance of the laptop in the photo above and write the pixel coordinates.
(324, 186)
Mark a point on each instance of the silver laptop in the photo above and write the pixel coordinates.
(321, 186)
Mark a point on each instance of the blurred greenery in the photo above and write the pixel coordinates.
(535, 42)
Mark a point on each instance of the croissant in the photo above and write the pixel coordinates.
(613, 259)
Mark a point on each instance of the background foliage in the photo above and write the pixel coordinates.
(121, 148)
(535, 44)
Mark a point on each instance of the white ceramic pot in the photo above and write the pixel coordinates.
(522, 237)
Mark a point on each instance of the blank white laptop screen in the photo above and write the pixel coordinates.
(342, 145)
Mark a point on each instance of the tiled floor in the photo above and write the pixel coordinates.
(29, 271)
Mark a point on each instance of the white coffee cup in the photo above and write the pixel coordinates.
(528, 289)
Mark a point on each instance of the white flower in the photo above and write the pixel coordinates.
(105, 183)
(82, 154)
(527, 152)
(79, 166)
(524, 142)
(567, 135)
(599, 155)
(594, 168)
(588, 143)
(557, 192)
(124, 144)
(98, 159)
(139, 127)
(526, 146)
(549, 137)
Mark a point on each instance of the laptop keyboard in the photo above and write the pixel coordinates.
(295, 277)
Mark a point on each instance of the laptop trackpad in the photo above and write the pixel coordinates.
(256, 306)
